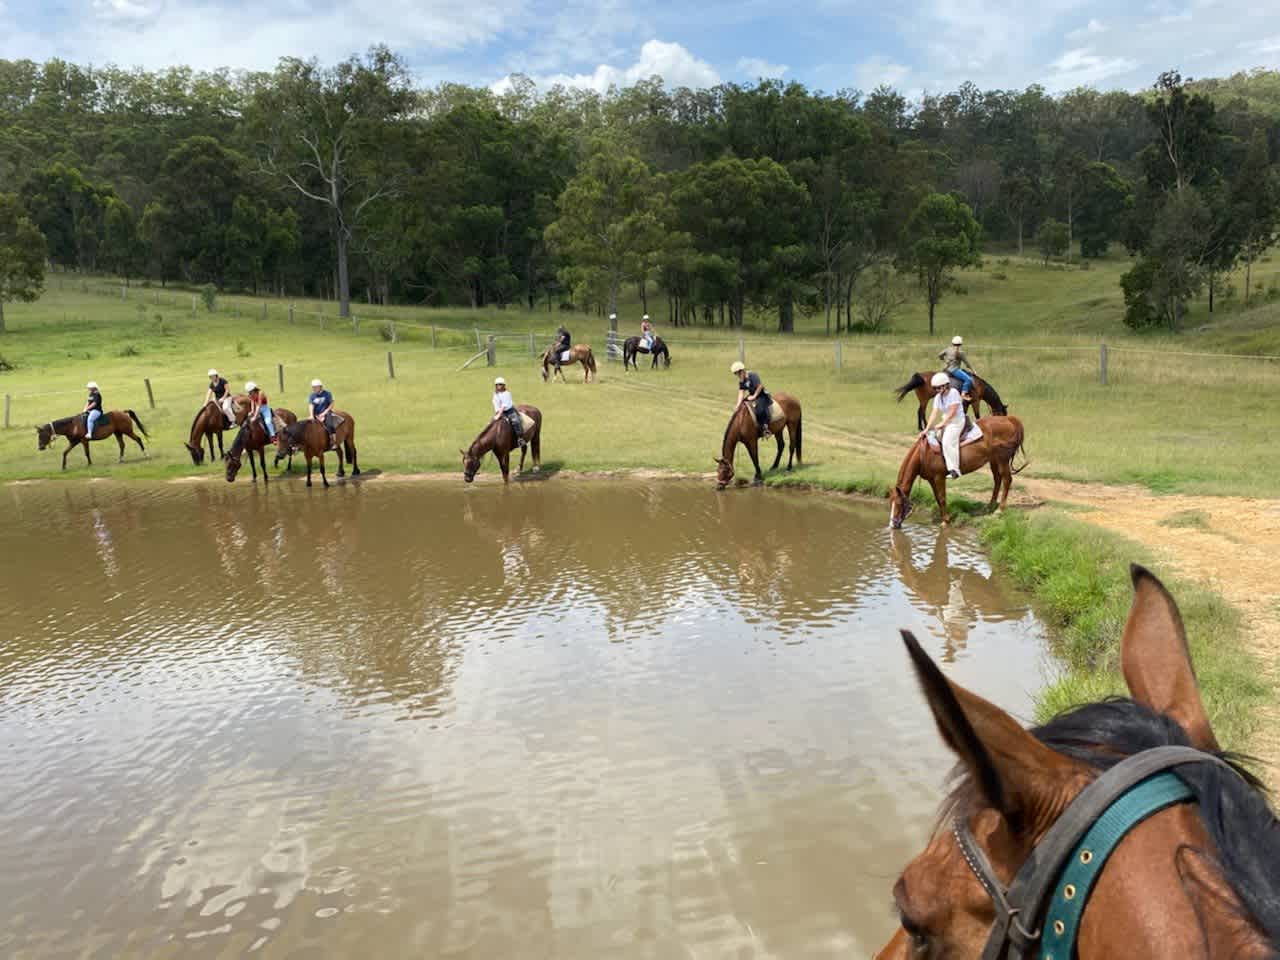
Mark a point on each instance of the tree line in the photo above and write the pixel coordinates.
(348, 180)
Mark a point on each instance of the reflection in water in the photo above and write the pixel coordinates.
(604, 719)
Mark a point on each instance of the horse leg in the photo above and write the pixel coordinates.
(752, 448)
(351, 455)
(338, 444)
(939, 485)
(536, 444)
(253, 467)
(262, 456)
(1007, 470)
(138, 440)
(88, 459)
(70, 447)
(523, 451)
(323, 478)
(309, 469)
(997, 474)
(920, 416)
(504, 461)
(120, 442)
(778, 459)
(221, 452)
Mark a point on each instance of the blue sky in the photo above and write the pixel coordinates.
(915, 45)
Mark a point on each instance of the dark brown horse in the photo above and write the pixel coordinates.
(501, 439)
(311, 439)
(580, 353)
(631, 346)
(1001, 441)
(742, 429)
(113, 423)
(1198, 878)
(983, 392)
(252, 437)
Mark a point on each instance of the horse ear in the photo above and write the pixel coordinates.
(1017, 774)
(1156, 662)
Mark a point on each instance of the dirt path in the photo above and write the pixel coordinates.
(1228, 544)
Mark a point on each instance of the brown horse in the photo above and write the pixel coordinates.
(577, 354)
(253, 438)
(311, 439)
(742, 429)
(209, 423)
(983, 392)
(632, 345)
(501, 439)
(1200, 877)
(1001, 441)
(113, 423)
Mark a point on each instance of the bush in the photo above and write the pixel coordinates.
(241, 349)
(387, 332)
(129, 350)
(879, 298)
(1053, 238)
(6, 365)
(999, 275)
(1139, 311)
(209, 297)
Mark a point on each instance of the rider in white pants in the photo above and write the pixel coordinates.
(948, 413)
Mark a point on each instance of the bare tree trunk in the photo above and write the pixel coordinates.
(1248, 272)
(787, 315)
(1, 316)
(1019, 241)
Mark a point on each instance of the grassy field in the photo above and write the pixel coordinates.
(1169, 421)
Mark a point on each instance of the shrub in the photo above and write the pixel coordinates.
(209, 297)
(387, 332)
(241, 349)
(6, 365)
(129, 350)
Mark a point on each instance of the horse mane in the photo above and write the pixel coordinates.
(490, 427)
(237, 445)
(62, 420)
(902, 470)
(199, 413)
(1232, 802)
(729, 426)
(989, 394)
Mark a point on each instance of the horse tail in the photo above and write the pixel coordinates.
(134, 417)
(914, 383)
(1020, 447)
(799, 436)
(591, 360)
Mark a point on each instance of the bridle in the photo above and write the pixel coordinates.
(1039, 914)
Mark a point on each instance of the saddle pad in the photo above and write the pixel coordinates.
(564, 357)
(526, 422)
(974, 433)
(338, 419)
(776, 412)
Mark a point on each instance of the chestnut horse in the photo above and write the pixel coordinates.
(742, 429)
(501, 439)
(253, 438)
(209, 423)
(113, 423)
(631, 346)
(1001, 441)
(983, 392)
(311, 439)
(1198, 877)
(580, 353)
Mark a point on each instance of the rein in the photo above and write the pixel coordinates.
(1055, 881)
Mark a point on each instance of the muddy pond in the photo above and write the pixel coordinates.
(581, 719)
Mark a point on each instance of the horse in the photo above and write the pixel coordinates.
(501, 439)
(631, 346)
(251, 437)
(577, 354)
(1002, 439)
(983, 392)
(1195, 870)
(743, 429)
(113, 423)
(312, 439)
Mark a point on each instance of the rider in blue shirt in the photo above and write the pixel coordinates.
(320, 402)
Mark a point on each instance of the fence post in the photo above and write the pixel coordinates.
(355, 324)
(391, 366)
(193, 305)
(151, 399)
(742, 351)
(433, 336)
(322, 319)
(124, 292)
(479, 345)
(395, 337)
(8, 402)
(280, 375)
(1102, 364)
(491, 350)
(533, 349)
(291, 314)
(264, 310)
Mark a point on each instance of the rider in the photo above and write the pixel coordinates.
(258, 405)
(220, 395)
(646, 333)
(948, 413)
(751, 389)
(562, 343)
(92, 409)
(505, 406)
(320, 403)
(955, 362)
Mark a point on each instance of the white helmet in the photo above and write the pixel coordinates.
(213, 372)
(250, 387)
(91, 385)
(940, 379)
(316, 383)
(500, 382)
(613, 316)
(645, 317)
(957, 340)
(738, 367)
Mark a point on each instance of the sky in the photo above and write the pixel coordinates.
(914, 45)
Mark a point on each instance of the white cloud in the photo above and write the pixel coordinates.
(1269, 45)
(757, 67)
(126, 10)
(670, 61)
(1082, 67)
(877, 70)
(1090, 29)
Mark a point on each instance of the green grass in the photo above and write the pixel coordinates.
(1170, 422)
(1078, 577)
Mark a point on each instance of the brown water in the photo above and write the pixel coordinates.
(588, 719)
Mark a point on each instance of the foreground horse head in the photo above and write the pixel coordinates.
(197, 453)
(1193, 879)
(470, 463)
(724, 472)
(899, 506)
(44, 436)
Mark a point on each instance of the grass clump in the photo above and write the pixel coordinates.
(1195, 519)
(1079, 579)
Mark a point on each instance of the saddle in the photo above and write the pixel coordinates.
(972, 433)
(776, 412)
(526, 423)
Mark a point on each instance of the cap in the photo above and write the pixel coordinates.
(500, 382)
(213, 372)
(91, 385)
(250, 387)
(738, 367)
(316, 383)
(940, 380)
(957, 340)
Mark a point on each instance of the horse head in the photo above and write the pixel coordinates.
(724, 472)
(197, 453)
(470, 465)
(44, 436)
(899, 506)
(1158, 894)
(232, 458)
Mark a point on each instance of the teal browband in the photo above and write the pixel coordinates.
(1062, 921)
